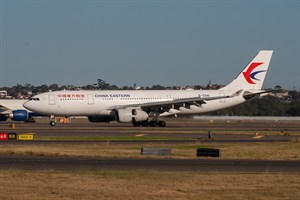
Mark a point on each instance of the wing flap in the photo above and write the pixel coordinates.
(164, 106)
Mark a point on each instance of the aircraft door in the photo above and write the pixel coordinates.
(90, 99)
(222, 100)
(51, 99)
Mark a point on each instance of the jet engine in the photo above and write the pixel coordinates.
(3, 117)
(19, 115)
(131, 115)
(101, 118)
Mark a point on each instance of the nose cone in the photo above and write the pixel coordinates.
(28, 105)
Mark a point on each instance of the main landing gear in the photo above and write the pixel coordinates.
(153, 123)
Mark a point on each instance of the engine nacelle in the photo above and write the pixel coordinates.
(19, 115)
(3, 117)
(131, 115)
(101, 118)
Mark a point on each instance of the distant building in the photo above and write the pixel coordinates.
(211, 86)
(282, 94)
(3, 93)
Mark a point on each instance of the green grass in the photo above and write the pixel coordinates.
(110, 138)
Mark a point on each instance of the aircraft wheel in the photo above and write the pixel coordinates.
(136, 123)
(145, 123)
(30, 120)
(161, 123)
(52, 123)
(153, 123)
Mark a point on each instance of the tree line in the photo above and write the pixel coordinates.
(264, 106)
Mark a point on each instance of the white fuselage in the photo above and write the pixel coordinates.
(90, 103)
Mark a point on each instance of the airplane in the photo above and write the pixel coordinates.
(13, 109)
(146, 107)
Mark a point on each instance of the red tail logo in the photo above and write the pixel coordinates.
(249, 75)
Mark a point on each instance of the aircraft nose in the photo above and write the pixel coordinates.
(28, 105)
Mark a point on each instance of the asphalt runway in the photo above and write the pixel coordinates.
(179, 130)
(201, 165)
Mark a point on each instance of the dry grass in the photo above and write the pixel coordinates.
(269, 151)
(146, 185)
(40, 185)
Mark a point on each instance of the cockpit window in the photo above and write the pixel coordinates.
(34, 99)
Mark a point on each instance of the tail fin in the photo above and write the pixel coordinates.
(253, 76)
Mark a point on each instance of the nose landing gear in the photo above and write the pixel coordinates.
(52, 120)
(52, 123)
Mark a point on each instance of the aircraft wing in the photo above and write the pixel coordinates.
(8, 105)
(4, 110)
(162, 106)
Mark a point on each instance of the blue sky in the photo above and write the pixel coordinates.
(146, 42)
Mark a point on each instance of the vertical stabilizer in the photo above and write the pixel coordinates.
(253, 76)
